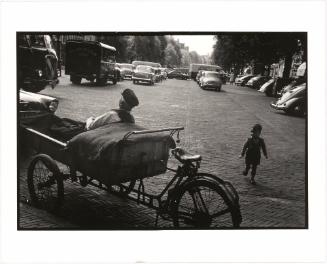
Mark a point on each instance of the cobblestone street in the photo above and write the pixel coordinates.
(217, 125)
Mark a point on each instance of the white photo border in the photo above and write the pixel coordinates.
(307, 245)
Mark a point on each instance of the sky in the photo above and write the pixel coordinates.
(202, 44)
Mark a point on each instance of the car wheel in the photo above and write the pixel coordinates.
(297, 109)
(75, 79)
(101, 81)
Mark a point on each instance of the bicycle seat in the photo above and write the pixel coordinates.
(184, 156)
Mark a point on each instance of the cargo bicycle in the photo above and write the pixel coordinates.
(118, 159)
(191, 199)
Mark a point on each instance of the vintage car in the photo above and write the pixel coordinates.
(37, 62)
(195, 68)
(164, 72)
(257, 81)
(157, 75)
(33, 106)
(295, 82)
(198, 76)
(176, 74)
(126, 70)
(143, 73)
(211, 80)
(294, 101)
(267, 87)
(91, 60)
(243, 80)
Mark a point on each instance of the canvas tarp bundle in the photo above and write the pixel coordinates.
(104, 155)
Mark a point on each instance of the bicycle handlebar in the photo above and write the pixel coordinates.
(172, 130)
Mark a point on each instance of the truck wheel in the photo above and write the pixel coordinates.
(75, 79)
(101, 81)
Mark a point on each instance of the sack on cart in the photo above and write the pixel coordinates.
(104, 154)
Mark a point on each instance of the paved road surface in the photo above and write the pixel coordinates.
(216, 126)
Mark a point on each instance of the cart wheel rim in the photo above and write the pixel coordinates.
(44, 183)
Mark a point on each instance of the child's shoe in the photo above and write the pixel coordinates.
(252, 181)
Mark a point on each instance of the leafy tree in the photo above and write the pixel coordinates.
(171, 56)
(195, 57)
(237, 49)
(186, 58)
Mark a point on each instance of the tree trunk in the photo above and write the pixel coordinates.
(287, 65)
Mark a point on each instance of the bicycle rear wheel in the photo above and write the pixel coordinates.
(202, 204)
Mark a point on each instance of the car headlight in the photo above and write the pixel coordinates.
(53, 106)
(40, 73)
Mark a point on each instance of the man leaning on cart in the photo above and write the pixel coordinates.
(127, 101)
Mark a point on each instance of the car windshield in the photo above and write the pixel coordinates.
(143, 68)
(37, 41)
(212, 74)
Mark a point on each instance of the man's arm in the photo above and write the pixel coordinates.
(107, 118)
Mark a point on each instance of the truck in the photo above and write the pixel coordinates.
(91, 60)
(37, 62)
(195, 68)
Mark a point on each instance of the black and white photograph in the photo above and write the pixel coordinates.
(163, 131)
(156, 131)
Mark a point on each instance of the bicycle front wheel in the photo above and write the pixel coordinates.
(202, 204)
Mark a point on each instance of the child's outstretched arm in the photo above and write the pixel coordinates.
(264, 149)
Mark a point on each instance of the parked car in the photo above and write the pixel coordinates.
(91, 60)
(294, 101)
(257, 81)
(143, 73)
(295, 82)
(176, 74)
(211, 80)
(223, 76)
(126, 70)
(33, 106)
(239, 76)
(164, 72)
(37, 62)
(198, 76)
(157, 75)
(267, 87)
(243, 80)
(119, 73)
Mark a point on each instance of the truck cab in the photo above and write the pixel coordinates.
(91, 60)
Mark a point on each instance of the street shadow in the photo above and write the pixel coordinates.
(214, 91)
(144, 84)
(262, 190)
(296, 116)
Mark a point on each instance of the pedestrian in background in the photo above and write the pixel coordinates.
(232, 78)
(252, 150)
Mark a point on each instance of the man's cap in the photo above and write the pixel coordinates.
(256, 127)
(130, 97)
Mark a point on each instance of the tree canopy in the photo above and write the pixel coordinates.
(163, 49)
(237, 49)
